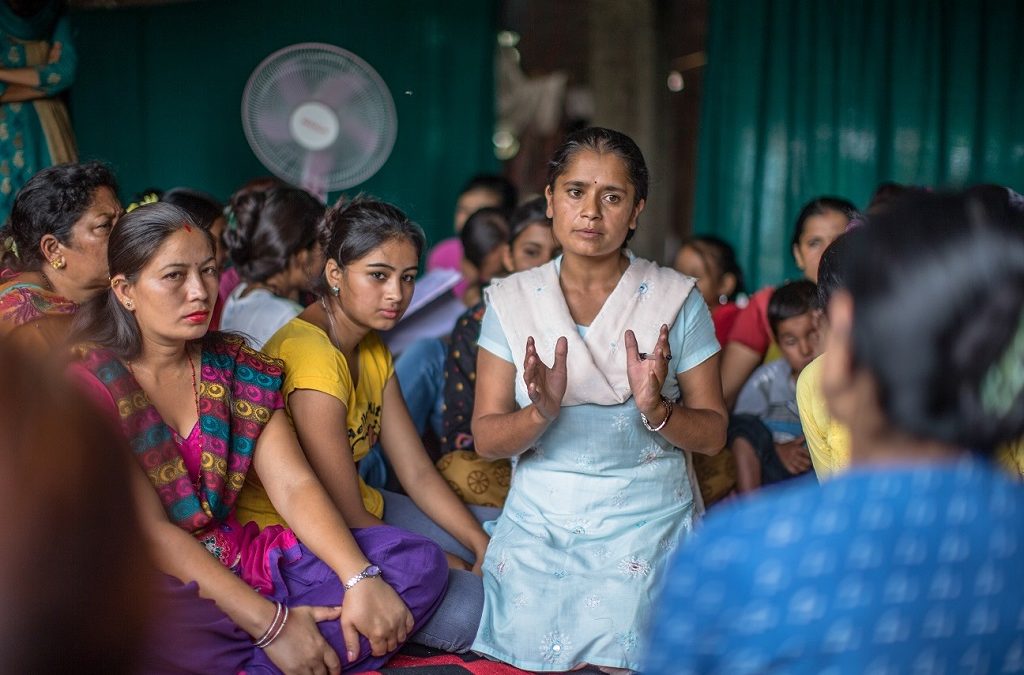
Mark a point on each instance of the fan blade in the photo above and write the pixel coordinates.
(293, 87)
(337, 91)
(352, 129)
(274, 127)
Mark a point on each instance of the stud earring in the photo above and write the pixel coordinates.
(129, 305)
(335, 290)
(723, 299)
(58, 263)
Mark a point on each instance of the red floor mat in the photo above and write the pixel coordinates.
(416, 660)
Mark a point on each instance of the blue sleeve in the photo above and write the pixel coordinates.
(753, 398)
(679, 623)
(492, 337)
(692, 338)
(57, 76)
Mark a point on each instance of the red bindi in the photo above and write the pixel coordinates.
(188, 228)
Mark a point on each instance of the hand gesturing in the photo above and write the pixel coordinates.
(647, 375)
(545, 386)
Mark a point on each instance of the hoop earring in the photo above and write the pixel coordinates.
(58, 263)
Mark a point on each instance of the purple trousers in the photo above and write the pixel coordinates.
(191, 635)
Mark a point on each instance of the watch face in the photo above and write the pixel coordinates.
(372, 571)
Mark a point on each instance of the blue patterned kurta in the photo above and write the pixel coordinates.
(578, 554)
(885, 570)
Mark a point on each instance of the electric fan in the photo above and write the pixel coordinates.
(319, 116)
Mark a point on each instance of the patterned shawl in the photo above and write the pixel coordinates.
(23, 302)
(239, 390)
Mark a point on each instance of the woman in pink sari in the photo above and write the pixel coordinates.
(199, 410)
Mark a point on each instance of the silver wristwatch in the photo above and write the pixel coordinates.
(370, 571)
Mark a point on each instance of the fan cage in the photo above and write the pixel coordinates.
(266, 106)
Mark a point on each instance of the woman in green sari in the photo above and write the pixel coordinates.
(37, 62)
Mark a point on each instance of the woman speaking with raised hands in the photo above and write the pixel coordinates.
(594, 370)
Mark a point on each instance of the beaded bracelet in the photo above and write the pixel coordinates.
(275, 628)
(668, 413)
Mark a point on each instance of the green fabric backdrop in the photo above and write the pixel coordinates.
(158, 90)
(806, 97)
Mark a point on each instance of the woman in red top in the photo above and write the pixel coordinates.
(712, 261)
(821, 220)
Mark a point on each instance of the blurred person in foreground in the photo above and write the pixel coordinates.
(909, 561)
(74, 574)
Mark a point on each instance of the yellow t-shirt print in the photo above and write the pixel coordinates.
(312, 362)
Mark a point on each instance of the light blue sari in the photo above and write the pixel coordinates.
(580, 550)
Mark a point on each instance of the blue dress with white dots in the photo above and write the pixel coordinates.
(884, 570)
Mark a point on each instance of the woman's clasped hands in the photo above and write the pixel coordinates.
(300, 648)
(371, 608)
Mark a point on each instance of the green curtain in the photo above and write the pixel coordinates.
(159, 89)
(810, 97)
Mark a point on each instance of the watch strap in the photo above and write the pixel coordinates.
(369, 572)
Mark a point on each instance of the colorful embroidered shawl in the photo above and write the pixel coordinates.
(23, 302)
(239, 390)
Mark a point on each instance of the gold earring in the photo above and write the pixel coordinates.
(129, 305)
(58, 263)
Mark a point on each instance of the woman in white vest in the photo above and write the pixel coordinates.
(598, 372)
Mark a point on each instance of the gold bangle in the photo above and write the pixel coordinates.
(668, 413)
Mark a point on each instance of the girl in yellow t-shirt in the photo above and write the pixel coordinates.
(342, 397)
